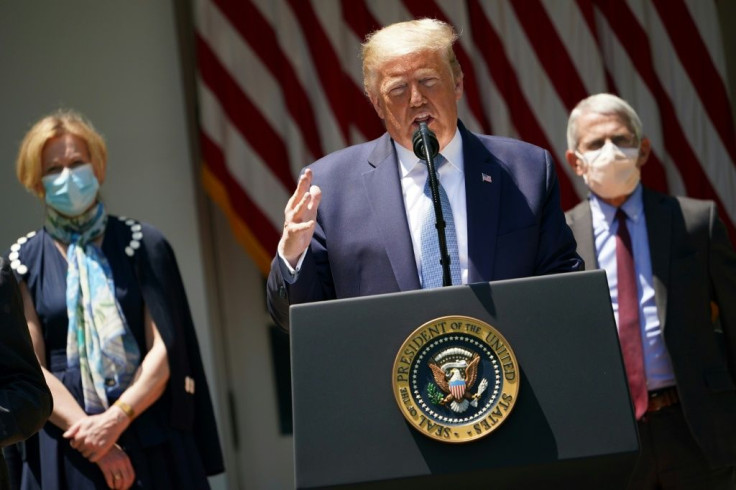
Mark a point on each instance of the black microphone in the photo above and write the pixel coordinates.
(425, 138)
(426, 147)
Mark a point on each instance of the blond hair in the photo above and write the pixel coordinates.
(404, 38)
(29, 165)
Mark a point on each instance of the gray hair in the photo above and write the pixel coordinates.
(602, 104)
(403, 38)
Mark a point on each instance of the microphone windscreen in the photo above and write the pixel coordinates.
(422, 134)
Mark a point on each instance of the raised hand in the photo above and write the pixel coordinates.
(300, 219)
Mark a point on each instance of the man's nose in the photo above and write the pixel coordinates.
(417, 97)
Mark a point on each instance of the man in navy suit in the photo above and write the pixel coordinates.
(353, 225)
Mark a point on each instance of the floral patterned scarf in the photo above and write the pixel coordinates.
(99, 341)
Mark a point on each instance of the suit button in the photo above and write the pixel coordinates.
(282, 292)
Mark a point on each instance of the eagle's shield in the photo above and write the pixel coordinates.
(457, 388)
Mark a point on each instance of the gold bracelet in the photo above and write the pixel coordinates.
(127, 409)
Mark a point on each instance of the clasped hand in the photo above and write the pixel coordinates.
(300, 219)
(117, 468)
(94, 436)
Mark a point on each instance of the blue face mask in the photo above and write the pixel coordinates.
(72, 191)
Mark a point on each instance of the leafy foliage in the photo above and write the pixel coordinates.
(434, 394)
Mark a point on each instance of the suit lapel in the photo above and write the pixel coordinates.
(659, 233)
(483, 200)
(581, 223)
(383, 191)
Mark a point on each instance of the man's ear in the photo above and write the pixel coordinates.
(644, 150)
(574, 162)
(458, 86)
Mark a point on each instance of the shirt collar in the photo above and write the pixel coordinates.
(633, 206)
(453, 153)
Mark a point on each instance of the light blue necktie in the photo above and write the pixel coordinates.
(431, 266)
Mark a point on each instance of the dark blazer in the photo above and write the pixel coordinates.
(163, 292)
(25, 400)
(693, 264)
(362, 244)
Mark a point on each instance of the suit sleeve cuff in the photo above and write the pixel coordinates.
(289, 273)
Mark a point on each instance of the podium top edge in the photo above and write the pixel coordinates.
(587, 275)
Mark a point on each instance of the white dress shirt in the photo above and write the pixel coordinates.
(414, 176)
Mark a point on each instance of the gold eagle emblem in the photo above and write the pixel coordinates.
(455, 375)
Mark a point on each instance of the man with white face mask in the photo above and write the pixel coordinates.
(671, 271)
(611, 171)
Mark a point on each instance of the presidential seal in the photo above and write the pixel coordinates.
(456, 379)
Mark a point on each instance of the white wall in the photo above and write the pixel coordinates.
(117, 63)
(264, 457)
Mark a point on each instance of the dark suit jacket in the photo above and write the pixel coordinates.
(693, 264)
(362, 244)
(25, 400)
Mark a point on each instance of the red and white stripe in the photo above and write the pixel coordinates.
(280, 85)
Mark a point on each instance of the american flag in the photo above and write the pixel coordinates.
(280, 85)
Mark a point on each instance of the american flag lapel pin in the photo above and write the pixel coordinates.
(486, 178)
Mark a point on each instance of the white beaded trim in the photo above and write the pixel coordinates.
(136, 235)
(15, 263)
(136, 231)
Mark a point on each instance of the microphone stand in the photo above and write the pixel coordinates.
(426, 147)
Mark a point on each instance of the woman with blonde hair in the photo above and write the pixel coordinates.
(111, 327)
